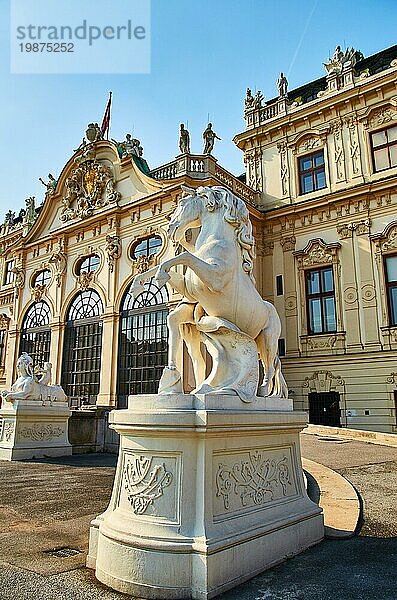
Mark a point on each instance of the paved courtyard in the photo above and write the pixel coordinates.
(47, 505)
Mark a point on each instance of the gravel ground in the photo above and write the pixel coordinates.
(46, 505)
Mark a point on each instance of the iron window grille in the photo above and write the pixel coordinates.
(391, 285)
(312, 172)
(36, 334)
(320, 296)
(384, 148)
(81, 363)
(143, 342)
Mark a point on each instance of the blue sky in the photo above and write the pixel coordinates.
(204, 55)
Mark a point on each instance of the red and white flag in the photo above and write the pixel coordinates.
(106, 117)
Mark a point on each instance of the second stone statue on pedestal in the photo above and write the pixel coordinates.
(220, 306)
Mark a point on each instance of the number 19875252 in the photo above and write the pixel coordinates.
(46, 47)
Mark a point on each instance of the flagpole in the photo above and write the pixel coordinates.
(110, 113)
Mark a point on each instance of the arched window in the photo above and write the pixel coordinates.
(41, 278)
(143, 340)
(147, 246)
(36, 333)
(88, 264)
(81, 364)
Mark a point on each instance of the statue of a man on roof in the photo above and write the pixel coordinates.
(50, 184)
(282, 85)
(209, 137)
(184, 140)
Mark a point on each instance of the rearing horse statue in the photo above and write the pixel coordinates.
(220, 306)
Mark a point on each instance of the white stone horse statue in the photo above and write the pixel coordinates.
(220, 306)
(28, 387)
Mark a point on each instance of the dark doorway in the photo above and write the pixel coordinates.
(324, 408)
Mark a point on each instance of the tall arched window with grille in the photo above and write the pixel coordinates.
(36, 334)
(81, 363)
(143, 340)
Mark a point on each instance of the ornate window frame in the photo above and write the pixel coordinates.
(143, 263)
(375, 119)
(317, 254)
(307, 143)
(385, 244)
(38, 290)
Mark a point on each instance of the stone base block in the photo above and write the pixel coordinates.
(34, 429)
(203, 499)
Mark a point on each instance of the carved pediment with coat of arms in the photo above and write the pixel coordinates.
(90, 186)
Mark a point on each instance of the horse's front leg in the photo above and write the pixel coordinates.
(137, 286)
(212, 274)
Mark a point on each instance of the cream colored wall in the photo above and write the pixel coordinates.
(340, 125)
(353, 217)
(137, 216)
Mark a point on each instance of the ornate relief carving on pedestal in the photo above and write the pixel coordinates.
(254, 479)
(339, 155)
(113, 250)
(144, 481)
(40, 432)
(6, 430)
(58, 259)
(90, 186)
(284, 171)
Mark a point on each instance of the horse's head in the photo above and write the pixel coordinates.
(187, 214)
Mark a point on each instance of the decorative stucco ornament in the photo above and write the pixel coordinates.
(29, 387)
(343, 60)
(220, 306)
(50, 185)
(90, 186)
(129, 147)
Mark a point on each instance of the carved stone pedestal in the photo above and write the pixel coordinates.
(204, 498)
(33, 429)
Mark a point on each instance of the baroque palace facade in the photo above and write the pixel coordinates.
(321, 187)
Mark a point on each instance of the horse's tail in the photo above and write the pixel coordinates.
(274, 383)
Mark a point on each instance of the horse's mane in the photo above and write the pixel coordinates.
(237, 215)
